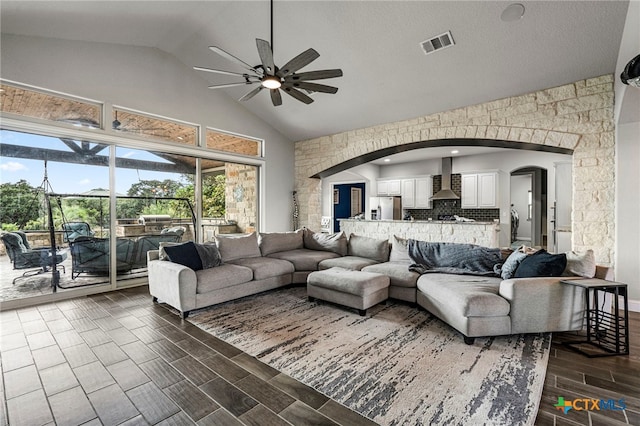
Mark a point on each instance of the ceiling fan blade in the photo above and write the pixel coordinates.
(297, 94)
(302, 60)
(311, 86)
(276, 98)
(232, 58)
(251, 94)
(221, 86)
(314, 75)
(266, 56)
(223, 72)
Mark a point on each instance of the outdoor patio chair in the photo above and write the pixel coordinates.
(22, 256)
(179, 230)
(150, 242)
(73, 230)
(91, 256)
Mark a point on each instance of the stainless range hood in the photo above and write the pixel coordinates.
(446, 193)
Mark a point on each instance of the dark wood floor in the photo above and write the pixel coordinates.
(116, 359)
(574, 376)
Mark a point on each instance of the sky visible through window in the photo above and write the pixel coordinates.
(71, 178)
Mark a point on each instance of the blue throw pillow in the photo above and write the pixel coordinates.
(510, 265)
(542, 264)
(185, 254)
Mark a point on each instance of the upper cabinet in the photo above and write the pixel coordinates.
(417, 192)
(390, 187)
(480, 190)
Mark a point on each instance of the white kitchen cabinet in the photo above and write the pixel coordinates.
(390, 187)
(417, 192)
(424, 191)
(480, 190)
(408, 193)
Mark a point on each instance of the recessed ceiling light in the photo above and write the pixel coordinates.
(513, 12)
(455, 151)
(386, 160)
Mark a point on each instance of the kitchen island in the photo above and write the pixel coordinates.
(480, 233)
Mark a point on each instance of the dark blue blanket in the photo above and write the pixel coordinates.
(453, 258)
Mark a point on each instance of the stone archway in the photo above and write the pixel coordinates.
(577, 116)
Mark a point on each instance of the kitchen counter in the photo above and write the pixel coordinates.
(480, 233)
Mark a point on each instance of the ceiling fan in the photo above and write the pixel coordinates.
(274, 78)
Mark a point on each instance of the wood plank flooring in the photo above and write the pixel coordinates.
(116, 358)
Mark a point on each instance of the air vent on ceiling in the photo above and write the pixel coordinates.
(437, 43)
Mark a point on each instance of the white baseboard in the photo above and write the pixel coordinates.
(634, 305)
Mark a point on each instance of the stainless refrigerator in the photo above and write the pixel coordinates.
(386, 208)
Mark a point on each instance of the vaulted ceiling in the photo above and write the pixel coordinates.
(387, 76)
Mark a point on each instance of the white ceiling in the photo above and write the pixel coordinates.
(387, 77)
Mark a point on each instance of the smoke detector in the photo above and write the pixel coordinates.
(437, 43)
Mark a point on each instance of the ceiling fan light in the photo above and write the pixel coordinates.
(271, 82)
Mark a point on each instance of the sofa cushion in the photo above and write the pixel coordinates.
(399, 250)
(355, 263)
(265, 267)
(542, 264)
(398, 273)
(304, 259)
(469, 295)
(369, 248)
(238, 247)
(272, 242)
(582, 264)
(185, 254)
(223, 276)
(336, 243)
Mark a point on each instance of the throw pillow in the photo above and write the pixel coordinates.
(510, 265)
(162, 254)
(185, 254)
(273, 242)
(232, 248)
(369, 248)
(336, 243)
(399, 250)
(582, 264)
(209, 255)
(542, 264)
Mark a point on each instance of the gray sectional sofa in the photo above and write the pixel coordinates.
(476, 306)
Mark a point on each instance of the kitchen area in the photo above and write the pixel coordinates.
(433, 208)
(463, 199)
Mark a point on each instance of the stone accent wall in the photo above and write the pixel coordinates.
(482, 234)
(241, 198)
(577, 116)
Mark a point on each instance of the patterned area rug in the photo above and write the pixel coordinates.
(397, 366)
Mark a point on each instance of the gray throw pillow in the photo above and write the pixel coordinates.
(336, 243)
(581, 264)
(369, 248)
(273, 242)
(209, 255)
(232, 248)
(511, 264)
(399, 250)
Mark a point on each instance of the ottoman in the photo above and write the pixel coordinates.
(355, 289)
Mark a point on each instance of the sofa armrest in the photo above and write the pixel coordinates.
(173, 284)
(543, 304)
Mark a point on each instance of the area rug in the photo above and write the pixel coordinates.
(397, 366)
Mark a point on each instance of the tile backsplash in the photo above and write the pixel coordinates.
(452, 207)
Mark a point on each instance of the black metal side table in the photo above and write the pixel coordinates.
(606, 330)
